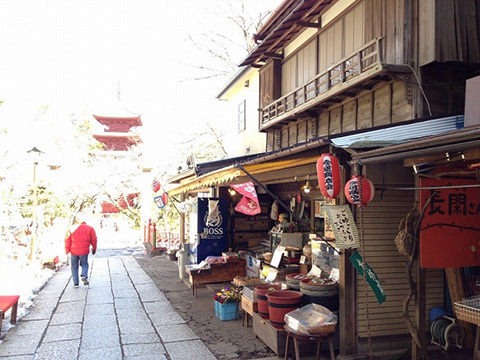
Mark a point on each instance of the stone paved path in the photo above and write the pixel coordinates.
(120, 315)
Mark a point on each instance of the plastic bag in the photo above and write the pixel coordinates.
(311, 319)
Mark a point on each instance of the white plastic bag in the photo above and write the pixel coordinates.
(311, 319)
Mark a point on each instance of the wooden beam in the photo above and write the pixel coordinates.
(274, 55)
(309, 24)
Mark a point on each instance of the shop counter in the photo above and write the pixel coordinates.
(217, 273)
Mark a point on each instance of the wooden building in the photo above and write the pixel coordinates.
(382, 85)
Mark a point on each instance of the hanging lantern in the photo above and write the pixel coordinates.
(155, 186)
(328, 172)
(357, 184)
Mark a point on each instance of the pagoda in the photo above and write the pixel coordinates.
(117, 135)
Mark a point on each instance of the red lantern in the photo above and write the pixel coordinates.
(328, 172)
(359, 190)
(155, 186)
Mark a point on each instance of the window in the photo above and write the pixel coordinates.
(241, 116)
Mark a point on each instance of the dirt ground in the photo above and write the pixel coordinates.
(225, 339)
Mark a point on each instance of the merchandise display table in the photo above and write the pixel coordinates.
(217, 273)
(318, 338)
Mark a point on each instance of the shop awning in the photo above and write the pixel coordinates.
(232, 174)
(399, 133)
(455, 141)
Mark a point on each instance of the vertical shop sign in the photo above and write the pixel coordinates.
(372, 278)
(344, 227)
(450, 228)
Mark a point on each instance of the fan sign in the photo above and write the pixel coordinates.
(249, 203)
(161, 200)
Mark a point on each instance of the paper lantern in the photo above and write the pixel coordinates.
(359, 190)
(328, 172)
(155, 186)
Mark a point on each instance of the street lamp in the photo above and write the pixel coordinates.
(36, 155)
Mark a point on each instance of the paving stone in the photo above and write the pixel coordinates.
(103, 321)
(125, 293)
(28, 327)
(179, 332)
(189, 350)
(58, 350)
(67, 317)
(136, 326)
(99, 309)
(144, 349)
(20, 345)
(99, 298)
(170, 318)
(106, 353)
(136, 338)
(146, 357)
(158, 307)
(99, 338)
(63, 332)
(129, 303)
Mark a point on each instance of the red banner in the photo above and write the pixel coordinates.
(249, 203)
(450, 229)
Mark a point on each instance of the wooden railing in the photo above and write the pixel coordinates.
(356, 64)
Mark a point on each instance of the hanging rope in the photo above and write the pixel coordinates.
(364, 268)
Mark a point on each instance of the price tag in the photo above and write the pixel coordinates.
(272, 274)
(302, 259)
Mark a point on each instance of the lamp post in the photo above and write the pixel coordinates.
(33, 235)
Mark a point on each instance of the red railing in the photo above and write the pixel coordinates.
(160, 239)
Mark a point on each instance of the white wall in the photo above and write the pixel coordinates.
(237, 142)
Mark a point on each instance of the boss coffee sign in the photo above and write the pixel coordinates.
(212, 218)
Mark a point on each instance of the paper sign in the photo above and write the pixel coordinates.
(302, 259)
(315, 271)
(277, 256)
(344, 227)
(272, 274)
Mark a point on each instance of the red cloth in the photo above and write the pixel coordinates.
(79, 240)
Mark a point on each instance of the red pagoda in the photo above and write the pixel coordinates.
(117, 135)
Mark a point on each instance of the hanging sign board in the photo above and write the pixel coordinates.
(344, 228)
(372, 278)
(450, 229)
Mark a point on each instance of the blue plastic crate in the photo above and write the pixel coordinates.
(228, 311)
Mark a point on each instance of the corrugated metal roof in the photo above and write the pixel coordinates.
(398, 134)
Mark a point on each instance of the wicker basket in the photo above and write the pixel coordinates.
(469, 310)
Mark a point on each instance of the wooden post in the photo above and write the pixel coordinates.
(457, 293)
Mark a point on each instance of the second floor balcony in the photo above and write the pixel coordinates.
(357, 72)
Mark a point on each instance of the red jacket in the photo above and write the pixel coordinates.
(79, 239)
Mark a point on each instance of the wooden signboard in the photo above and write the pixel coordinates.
(450, 229)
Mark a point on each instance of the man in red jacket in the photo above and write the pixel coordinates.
(78, 240)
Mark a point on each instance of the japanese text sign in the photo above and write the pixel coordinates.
(344, 228)
(450, 228)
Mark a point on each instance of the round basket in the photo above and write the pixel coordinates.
(404, 242)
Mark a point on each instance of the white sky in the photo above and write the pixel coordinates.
(71, 56)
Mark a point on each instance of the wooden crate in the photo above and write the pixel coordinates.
(249, 306)
(272, 337)
(276, 339)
